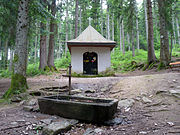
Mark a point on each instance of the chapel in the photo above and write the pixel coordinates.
(90, 52)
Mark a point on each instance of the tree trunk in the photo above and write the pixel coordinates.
(76, 18)
(128, 40)
(0, 52)
(177, 25)
(11, 59)
(108, 29)
(137, 32)
(18, 80)
(35, 50)
(6, 48)
(0, 41)
(80, 21)
(164, 47)
(47, 35)
(6, 53)
(133, 48)
(70, 30)
(151, 54)
(102, 17)
(155, 20)
(43, 47)
(2, 58)
(174, 35)
(171, 46)
(66, 27)
(120, 35)
(123, 45)
(28, 44)
(117, 27)
(36, 43)
(59, 41)
(50, 61)
(113, 27)
(146, 21)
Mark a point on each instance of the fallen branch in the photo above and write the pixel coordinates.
(155, 104)
(160, 110)
(114, 92)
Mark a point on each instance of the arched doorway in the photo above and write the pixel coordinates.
(90, 61)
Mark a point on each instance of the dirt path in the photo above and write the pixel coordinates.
(158, 117)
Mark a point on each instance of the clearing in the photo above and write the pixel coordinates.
(150, 104)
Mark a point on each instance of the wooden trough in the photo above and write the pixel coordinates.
(87, 109)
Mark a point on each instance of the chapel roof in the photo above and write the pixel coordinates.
(91, 37)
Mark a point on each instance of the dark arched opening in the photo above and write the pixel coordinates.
(90, 62)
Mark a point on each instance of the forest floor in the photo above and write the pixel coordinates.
(152, 98)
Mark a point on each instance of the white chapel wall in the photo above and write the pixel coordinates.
(104, 58)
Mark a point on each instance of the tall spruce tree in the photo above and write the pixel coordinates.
(151, 54)
(164, 39)
(18, 79)
(53, 26)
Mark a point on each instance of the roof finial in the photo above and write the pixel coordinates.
(89, 20)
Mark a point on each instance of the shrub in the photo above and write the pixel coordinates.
(33, 70)
(63, 62)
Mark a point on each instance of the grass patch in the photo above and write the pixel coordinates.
(123, 63)
(89, 76)
(176, 53)
(2, 101)
(33, 70)
(108, 72)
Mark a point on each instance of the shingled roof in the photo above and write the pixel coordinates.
(90, 37)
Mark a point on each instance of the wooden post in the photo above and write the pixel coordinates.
(70, 79)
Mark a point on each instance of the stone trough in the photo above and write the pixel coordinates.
(88, 109)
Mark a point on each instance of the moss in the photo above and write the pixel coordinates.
(107, 72)
(53, 69)
(151, 65)
(18, 85)
(50, 68)
(47, 68)
(16, 57)
(161, 66)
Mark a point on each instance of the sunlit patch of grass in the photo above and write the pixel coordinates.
(124, 63)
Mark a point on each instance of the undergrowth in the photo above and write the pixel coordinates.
(123, 63)
(119, 63)
(63, 62)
